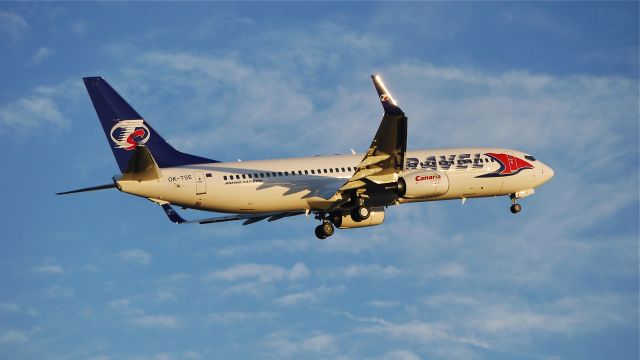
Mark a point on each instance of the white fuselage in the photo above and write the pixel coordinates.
(309, 183)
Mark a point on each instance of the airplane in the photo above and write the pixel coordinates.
(343, 191)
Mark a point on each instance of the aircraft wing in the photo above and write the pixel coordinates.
(385, 157)
(248, 218)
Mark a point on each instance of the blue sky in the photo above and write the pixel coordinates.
(105, 276)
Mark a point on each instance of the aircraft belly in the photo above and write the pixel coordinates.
(255, 198)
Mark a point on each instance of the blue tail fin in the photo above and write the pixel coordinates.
(125, 129)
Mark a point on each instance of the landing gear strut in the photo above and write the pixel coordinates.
(325, 230)
(515, 207)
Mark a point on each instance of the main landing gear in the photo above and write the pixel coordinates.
(515, 207)
(360, 213)
(325, 230)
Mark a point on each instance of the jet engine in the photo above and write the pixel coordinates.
(423, 184)
(346, 222)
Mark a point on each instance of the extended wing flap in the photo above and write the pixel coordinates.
(249, 218)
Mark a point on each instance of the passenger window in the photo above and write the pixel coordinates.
(225, 177)
(268, 175)
(330, 170)
(337, 170)
(306, 172)
(279, 173)
(299, 172)
(320, 171)
(249, 175)
(313, 171)
(238, 177)
(244, 176)
(261, 175)
(286, 173)
(343, 170)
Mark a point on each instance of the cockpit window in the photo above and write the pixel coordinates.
(529, 157)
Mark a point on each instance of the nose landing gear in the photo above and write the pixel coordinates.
(515, 207)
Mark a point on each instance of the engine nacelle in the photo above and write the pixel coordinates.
(423, 184)
(346, 222)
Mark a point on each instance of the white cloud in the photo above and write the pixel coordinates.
(192, 355)
(383, 303)
(15, 308)
(312, 295)
(286, 345)
(291, 299)
(43, 53)
(451, 270)
(14, 337)
(423, 332)
(12, 26)
(363, 270)
(50, 269)
(32, 112)
(400, 355)
(59, 292)
(135, 256)
(155, 321)
(233, 317)
(260, 272)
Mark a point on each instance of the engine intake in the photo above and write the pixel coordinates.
(423, 184)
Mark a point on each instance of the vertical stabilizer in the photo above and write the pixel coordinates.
(126, 129)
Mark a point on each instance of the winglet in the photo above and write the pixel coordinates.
(389, 104)
(172, 214)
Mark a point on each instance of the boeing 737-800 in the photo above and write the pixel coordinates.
(344, 191)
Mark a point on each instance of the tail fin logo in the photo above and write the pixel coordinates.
(128, 134)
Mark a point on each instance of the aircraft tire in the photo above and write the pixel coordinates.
(327, 229)
(362, 212)
(515, 208)
(319, 233)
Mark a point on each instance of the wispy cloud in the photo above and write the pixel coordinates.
(59, 292)
(135, 256)
(15, 308)
(49, 269)
(12, 26)
(399, 355)
(235, 317)
(156, 321)
(42, 54)
(285, 345)
(139, 317)
(14, 337)
(362, 270)
(260, 273)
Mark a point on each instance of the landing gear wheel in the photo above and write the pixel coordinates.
(360, 213)
(325, 230)
(515, 208)
(319, 233)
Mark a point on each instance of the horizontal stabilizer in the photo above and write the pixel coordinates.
(93, 188)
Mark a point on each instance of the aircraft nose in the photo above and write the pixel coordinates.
(547, 173)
